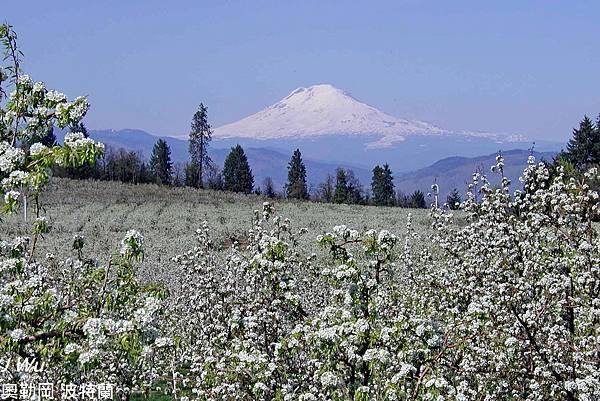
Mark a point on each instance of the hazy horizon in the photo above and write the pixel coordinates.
(512, 68)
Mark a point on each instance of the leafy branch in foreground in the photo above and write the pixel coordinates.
(81, 319)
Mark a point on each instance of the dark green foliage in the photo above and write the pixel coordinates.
(454, 199)
(377, 184)
(340, 194)
(583, 150)
(347, 188)
(417, 200)
(200, 136)
(296, 185)
(45, 137)
(192, 175)
(115, 165)
(354, 189)
(49, 139)
(582, 153)
(160, 164)
(382, 186)
(269, 188)
(237, 174)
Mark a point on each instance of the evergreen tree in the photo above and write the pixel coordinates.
(296, 185)
(161, 166)
(382, 186)
(340, 194)
(417, 200)
(200, 136)
(377, 186)
(354, 189)
(454, 199)
(191, 175)
(269, 188)
(388, 185)
(237, 174)
(583, 150)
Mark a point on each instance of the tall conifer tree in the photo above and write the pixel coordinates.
(340, 194)
(296, 185)
(382, 186)
(583, 149)
(237, 173)
(200, 136)
(161, 165)
(454, 199)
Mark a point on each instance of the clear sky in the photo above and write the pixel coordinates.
(529, 67)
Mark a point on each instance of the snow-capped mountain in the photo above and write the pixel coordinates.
(324, 110)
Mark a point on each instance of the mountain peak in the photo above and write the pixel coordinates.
(319, 88)
(318, 97)
(324, 110)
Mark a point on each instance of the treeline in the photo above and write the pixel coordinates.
(343, 187)
(583, 150)
(118, 164)
(123, 165)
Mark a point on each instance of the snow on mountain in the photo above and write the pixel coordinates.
(322, 110)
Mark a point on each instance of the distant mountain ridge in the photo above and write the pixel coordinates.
(448, 173)
(456, 172)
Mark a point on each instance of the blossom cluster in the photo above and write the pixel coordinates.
(501, 304)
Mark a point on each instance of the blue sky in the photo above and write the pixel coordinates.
(529, 67)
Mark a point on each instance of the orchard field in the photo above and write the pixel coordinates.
(103, 211)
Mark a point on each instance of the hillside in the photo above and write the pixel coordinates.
(168, 217)
(456, 172)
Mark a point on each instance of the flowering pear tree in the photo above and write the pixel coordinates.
(241, 307)
(81, 319)
(503, 304)
(29, 112)
(523, 276)
(376, 339)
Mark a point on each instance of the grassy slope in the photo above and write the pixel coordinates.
(167, 217)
